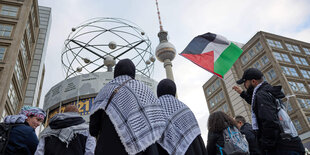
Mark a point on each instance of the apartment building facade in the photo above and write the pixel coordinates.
(37, 71)
(19, 30)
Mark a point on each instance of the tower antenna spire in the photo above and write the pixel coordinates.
(159, 19)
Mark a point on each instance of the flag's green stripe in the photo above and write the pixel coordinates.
(227, 59)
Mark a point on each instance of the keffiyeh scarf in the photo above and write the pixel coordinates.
(137, 116)
(254, 119)
(25, 112)
(68, 133)
(28, 111)
(182, 127)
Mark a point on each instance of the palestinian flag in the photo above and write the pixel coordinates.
(213, 53)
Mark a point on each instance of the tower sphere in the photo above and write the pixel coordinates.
(165, 50)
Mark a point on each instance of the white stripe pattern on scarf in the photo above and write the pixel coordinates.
(135, 112)
(68, 133)
(254, 119)
(182, 127)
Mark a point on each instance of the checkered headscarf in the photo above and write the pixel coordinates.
(28, 111)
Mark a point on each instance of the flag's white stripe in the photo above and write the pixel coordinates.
(219, 44)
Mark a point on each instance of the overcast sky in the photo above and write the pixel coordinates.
(237, 20)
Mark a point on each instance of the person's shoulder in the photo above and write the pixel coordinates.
(23, 128)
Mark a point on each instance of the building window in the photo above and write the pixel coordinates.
(308, 117)
(213, 87)
(211, 102)
(7, 10)
(257, 65)
(281, 57)
(216, 99)
(301, 87)
(285, 57)
(12, 96)
(274, 43)
(285, 70)
(251, 53)
(221, 95)
(289, 47)
(5, 30)
(19, 74)
(244, 59)
(292, 48)
(305, 73)
(304, 61)
(297, 87)
(289, 106)
(271, 74)
(297, 125)
(258, 46)
(24, 52)
(2, 52)
(300, 61)
(217, 84)
(296, 49)
(223, 108)
(296, 59)
(264, 60)
(307, 51)
(303, 104)
(293, 86)
(293, 72)
(28, 32)
(33, 17)
(208, 91)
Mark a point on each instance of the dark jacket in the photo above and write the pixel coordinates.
(214, 139)
(110, 143)
(22, 140)
(76, 146)
(250, 136)
(265, 109)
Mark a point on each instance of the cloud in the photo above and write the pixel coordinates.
(239, 20)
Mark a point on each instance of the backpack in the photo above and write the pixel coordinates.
(5, 130)
(234, 142)
(287, 127)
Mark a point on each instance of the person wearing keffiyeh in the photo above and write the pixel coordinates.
(262, 97)
(23, 139)
(67, 133)
(182, 133)
(133, 120)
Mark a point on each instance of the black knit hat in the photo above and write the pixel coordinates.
(125, 67)
(165, 87)
(249, 74)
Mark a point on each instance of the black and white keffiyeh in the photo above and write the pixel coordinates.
(135, 112)
(254, 119)
(182, 127)
(68, 133)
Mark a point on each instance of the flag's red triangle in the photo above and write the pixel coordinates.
(205, 61)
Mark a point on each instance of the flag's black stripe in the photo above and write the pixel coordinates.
(199, 43)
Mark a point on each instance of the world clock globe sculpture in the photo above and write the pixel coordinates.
(89, 54)
(97, 44)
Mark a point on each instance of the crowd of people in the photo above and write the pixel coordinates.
(127, 118)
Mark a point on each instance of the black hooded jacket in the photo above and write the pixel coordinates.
(266, 112)
(53, 145)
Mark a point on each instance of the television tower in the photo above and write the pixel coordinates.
(165, 51)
